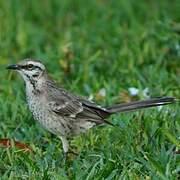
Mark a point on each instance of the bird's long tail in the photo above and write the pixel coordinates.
(140, 104)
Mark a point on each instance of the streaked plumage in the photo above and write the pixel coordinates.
(63, 113)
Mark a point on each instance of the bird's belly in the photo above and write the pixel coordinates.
(54, 123)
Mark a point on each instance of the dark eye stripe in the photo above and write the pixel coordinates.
(26, 67)
(37, 67)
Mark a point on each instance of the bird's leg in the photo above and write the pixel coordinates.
(65, 145)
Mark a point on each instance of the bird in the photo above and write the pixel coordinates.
(61, 112)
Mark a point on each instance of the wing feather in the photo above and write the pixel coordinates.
(65, 104)
(67, 108)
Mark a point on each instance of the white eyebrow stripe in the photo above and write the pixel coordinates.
(38, 64)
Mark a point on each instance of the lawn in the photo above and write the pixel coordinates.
(98, 49)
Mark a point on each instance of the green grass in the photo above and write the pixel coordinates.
(87, 46)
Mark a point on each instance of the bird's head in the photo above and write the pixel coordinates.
(30, 70)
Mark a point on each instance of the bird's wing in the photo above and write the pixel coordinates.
(66, 108)
(102, 112)
(65, 104)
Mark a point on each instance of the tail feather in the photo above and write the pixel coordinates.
(140, 104)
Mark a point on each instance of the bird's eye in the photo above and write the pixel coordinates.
(30, 66)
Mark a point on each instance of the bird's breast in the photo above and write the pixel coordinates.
(36, 106)
(39, 107)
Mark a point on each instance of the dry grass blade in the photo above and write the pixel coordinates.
(8, 143)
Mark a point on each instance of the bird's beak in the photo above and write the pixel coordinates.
(13, 67)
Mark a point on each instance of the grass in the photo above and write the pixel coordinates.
(88, 46)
